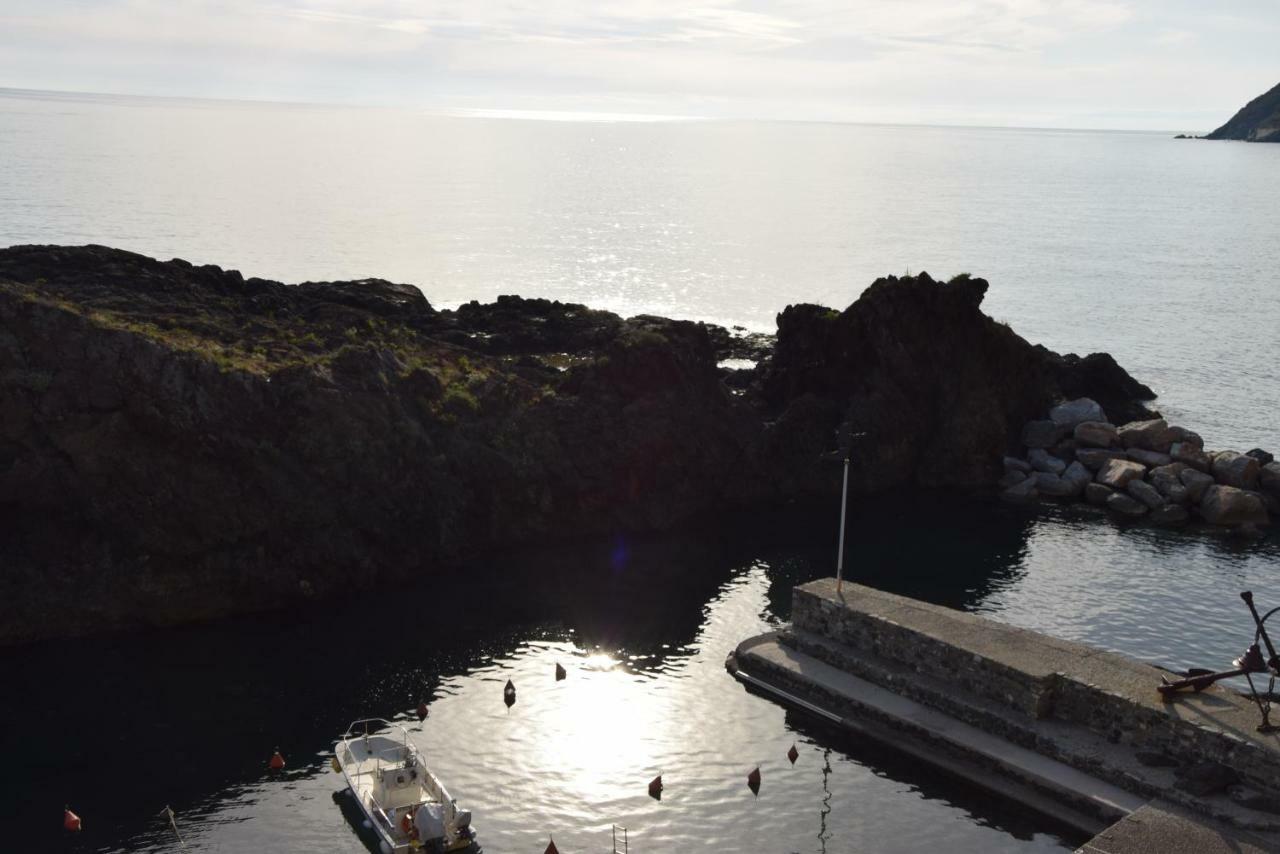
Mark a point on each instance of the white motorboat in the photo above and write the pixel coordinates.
(406, 805)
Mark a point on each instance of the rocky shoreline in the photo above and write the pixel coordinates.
(1142, 470)
(180, 442)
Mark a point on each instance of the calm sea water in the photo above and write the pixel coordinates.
(1162, 252)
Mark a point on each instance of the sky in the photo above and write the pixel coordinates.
(1140, 64)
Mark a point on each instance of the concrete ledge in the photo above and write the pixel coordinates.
(1165, 828)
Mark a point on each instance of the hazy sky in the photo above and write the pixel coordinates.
(1171, 64)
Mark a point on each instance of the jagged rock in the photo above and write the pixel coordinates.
(1078, 476)
(1227, 505)
(1191, 454)
(1263, 457)
(1042, 434)
(1094, 458)
(1150, 435)
(1169, 515)
(1166, 477)
(1098, 377)
(1233, 469)
(1021, 493)
(1015, 464)
(1125, 506)
(1011, 478)
(1117, 473)
(1096, 434)
(1269, 479)
(1051, 484)
(1145, 492)
(1196, 483)
(1041, 460)
(1075, 412)
(1096, 493)
(1152, 459)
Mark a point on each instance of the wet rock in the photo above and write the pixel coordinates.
(1263, 457)
(1145, 492)
(1075, 412)
(1233, 469)
(1094, 458)
(1196, 483)
(1011, 478)
(1183, 435)
(1178, 494)
(1078, 476)
(1166, 477)
(1042, 461)
(1096, 434)
(1125, 506)
(1169, 515)
(1117, 473)
(1021, 493)
(1150, 435)
(1042, 434)
(1269, 479)
(1191, 454)
(1052, 485)
(1015, 464)
(1096, 493)
(1227, 505)
(1151, 459)
(1205, 778)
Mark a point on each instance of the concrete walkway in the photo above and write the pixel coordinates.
(1164, 828)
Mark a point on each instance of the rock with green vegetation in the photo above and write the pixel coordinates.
(1257, 121)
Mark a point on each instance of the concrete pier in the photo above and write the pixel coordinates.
(1074, 732)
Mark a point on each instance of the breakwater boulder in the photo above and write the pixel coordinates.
(1144, 468)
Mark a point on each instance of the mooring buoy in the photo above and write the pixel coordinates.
(70, 821)
(277, 761)
(753, 782)
(422, 711)
(793, 754)
(560, 672)
(509, 694)
(655, 788)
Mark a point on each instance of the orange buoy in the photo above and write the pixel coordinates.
(793, 754)
(422, 710)
(560, 673)
(277, 761)
(551, 848)
(753, 782)
(655, 788)
(70, 820)
(509, 694)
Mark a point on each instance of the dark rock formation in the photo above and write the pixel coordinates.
(179, 442)
(1257, 121)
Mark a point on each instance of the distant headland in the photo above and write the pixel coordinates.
(1256, 121)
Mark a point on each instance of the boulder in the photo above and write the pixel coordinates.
(1263, 457)
(1117, 473)
(1169, 515)
(1122, 504)
(1064, 450)
(1021, 493)
(1178, 495)
(1233, 469)
(1041, 460)
(1096, 434)
(1145, 492)
(1166, 477)
(1196, 483)
(1077, 475)
(1015, 464)
(1076, 411)
(1042, 434)
(1191, 454)
(1093, 458)
(1051, 484)
(1096, 493)
(1269, 479)
(1182, 434)
(1151, 435)
(1152, 459)
(1227, 505)
(1011, 478)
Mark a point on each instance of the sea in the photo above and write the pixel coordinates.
(1162, 252)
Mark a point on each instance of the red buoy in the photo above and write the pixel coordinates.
(551, 848)
(277, 761)
(793, 754)
(753, 781)
(422, 710)
(560, 673)
(655, 788)
(70, 820)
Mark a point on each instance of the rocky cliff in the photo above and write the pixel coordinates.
(1257, 121)
(179, 442)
